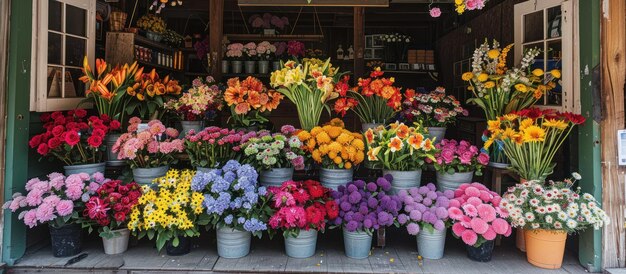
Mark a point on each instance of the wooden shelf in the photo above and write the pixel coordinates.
(147, 42)
(240, 75)
(156, 66)
(410, 71)
(195, 74)
(280, 37)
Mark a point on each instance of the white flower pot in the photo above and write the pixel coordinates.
(452, 181)
(118, 243)
(404, 179)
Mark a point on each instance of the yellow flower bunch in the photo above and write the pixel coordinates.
(399, 147)
(171, 210)
(333, 146)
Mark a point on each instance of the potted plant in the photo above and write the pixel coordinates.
(148, 150)
(212, 147)
(401, 151)
(74, 139)
(275, 156)
(309, 86)
(301, 209)
(153, 25)
(547, 212)
(434, 110)
(109, 210)
(250, 56)
(425, 215)
(363, 208)
(478, 219)
(249, 100)
(234, 53)
(456, 162)
(177, 216)
(295, 49)
(374, 100)
(58, 202)
(150, 93)
(336, 150)
(236, 208)
(201, 102)
(266, 52)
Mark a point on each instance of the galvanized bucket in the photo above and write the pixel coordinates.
(112, 160)
(233, 243)
(276, 65)
(404, 179)
(236, 66)
(302, 246)
(275, 176)
(452, 181)
(145, 176)
(437, 133)
(225, 66)
(357, 244)
(333, 178)
(189, 125)
(204, 169)
(118, 243)
(87, 168)
(430, 244)
(250, 67)
(366, 126)
(264, 67)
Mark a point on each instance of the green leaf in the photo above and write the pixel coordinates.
(175, 242)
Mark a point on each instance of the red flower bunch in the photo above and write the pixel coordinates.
(111, 205)
(301, 205)
(550, 114)
(72, 137)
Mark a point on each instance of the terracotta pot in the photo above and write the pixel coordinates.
(545, 248)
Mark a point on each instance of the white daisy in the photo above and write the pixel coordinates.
(529, 216)
(571, 224)
(524, 193)
(549, 219)
(558, 225)
(576, 176)
(535, 225)
(562, 215)
(534, 202)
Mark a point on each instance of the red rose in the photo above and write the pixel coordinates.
(105, 117)
(72, 138)
(98, 132)
(43, 149)
(45, 117)
(125, 201)
(120, 217)
(94, 119)
(118, 207)
(80, 113)
(123, 189)
(35, 141)
(316, 190)
(58, 130)
(56, 114)
(115, 125)
(94, 141)
(60, 120)
(54, 143)
(83, 125)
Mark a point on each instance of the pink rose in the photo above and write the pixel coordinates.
(435, 12)
(483, 159)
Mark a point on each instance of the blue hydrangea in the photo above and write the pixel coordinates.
(231, 165)
(228, 219)
(230, 176)
(220, 185)
(254, 225)
(262, 191)
(241, 220)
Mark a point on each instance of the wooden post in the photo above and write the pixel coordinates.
(359, 40)
(613, 61)
(216, 33)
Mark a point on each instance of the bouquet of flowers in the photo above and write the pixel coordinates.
(107, 87)
(149, 94)
(309, 86)
(459, 157)
(435, 109)
(234, 51)
(366, 206)
(202, 101)
(110, 207)
(151, 22)
(232, 199)
(295, 48)
(531, 137)
(301, 205)
(552, 206)
(170, 211)
(476, 214)
(277, 150)
(399, 147)
(151, 147)
(499, 90)
(72, 137)
(374, 100)
(462, 5)
(58, 201)
(265, 50)
(249, 51)
(332, 146)
(249, 100)
(213, 146)
(424, 208)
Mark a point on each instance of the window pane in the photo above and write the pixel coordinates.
(54, 15)
(554, 61)
(74, 51)
(54, 81)
(54, 48)
(539, 62)
(533, 26)
(75, 20)
(554, 22)
(73, 86)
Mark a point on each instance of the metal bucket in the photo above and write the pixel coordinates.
(275, 65)
(118, 243)
(189, 125)
(437, 133)
(275, 176)
(145, 176)
(430, 244)
(232, 243)
(366, 126)
(264, 67)
(333, 178)
(357, 244)
(302, 246)
(112, 160)
(404, 179)
(204, 169)
(225, 66)
(452, 181)
(87, 168)
(250, 67)
(236, 66)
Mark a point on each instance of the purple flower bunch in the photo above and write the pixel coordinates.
(424, 208)
(459, 156)
(366, 206)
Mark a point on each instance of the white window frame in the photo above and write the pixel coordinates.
(39, 100)
(570, 81)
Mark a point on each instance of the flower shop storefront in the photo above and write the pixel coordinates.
(367, 136)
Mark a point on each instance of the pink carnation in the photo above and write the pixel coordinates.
(30, 218)
(65, 207)
(44, 213)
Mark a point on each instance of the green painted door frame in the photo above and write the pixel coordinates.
(590, 241)
(18, 120)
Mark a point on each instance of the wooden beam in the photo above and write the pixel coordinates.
(216, 33)
(359, 41)
(319, 3)
(613, 61)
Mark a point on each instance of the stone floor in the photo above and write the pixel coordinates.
(399, 256)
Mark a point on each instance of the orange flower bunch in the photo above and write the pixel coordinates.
(332, 146)
(382, 87)
(249, 98)
(151, 92)
(399, 147)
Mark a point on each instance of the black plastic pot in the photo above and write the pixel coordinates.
(482, 253)
(66, 240)
(184, 247)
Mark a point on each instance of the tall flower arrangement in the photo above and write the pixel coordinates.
(332, 146)
(531, 137)
(309, 86)
(459, 156)
(424, 208)
(202, 101)
(249, 100)
(213, 146)
(153, 146)
(374, 100)
(278, 150)
(434, 109)
(72, 137)
(149, 93)
(109, 209)
(170, 211)
(399, 147)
